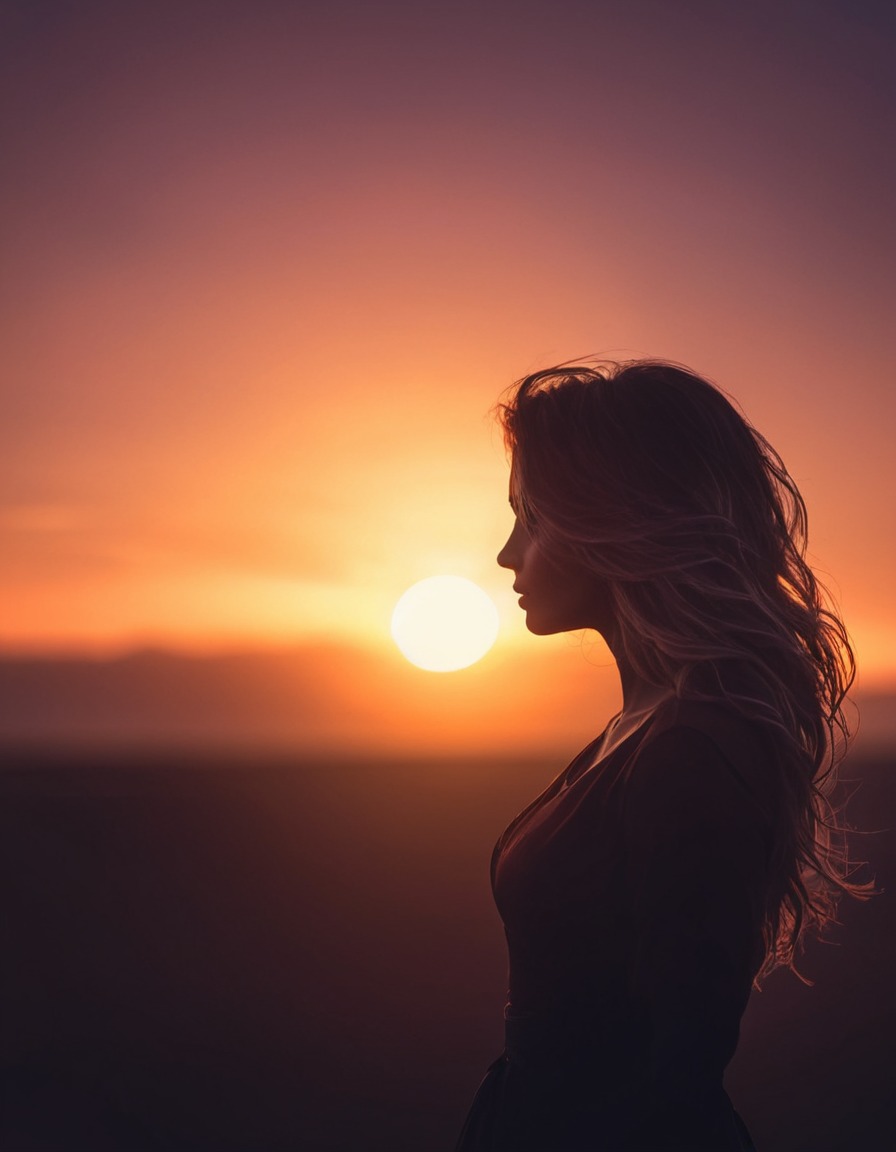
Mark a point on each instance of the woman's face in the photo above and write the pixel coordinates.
(556, 595)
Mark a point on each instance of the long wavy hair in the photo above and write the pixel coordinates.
(648, 476)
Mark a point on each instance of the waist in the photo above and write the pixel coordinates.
(568, 1042)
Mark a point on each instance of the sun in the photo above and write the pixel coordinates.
(444, 623)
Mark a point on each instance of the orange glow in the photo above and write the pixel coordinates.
(265, 292)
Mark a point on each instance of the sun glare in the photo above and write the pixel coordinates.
(444, 623)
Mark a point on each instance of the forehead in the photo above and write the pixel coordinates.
(514, 487)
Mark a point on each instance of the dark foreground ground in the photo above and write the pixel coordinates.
(292, 955)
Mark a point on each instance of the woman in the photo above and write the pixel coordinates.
(688, 849)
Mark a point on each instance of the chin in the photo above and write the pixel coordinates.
(545, 627)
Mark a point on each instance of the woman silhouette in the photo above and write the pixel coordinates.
(686, 851)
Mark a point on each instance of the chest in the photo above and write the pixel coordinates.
(562, 863)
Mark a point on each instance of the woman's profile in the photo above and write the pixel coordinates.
(686, 851)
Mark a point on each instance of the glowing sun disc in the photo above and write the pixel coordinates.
(444, 623)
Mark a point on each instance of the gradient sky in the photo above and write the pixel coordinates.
(267, 267)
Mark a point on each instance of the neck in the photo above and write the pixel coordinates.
(638, 695)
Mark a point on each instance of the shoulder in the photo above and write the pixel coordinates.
(702, 761)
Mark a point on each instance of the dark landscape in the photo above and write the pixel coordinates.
(279, 953)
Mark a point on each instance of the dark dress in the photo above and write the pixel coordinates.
(632, 893)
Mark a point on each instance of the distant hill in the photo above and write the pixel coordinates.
(317, 698)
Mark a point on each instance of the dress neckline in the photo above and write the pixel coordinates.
(592, 755)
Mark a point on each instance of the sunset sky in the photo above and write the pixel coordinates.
(268, 266)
